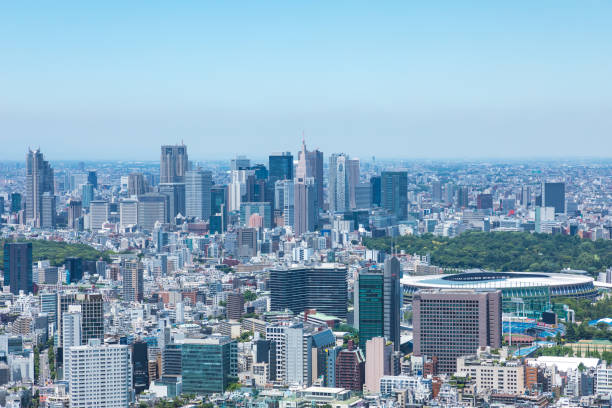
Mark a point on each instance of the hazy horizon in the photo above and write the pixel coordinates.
(486, 81)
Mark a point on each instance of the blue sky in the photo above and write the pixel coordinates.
(447, 79)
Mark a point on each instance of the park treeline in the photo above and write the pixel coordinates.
(57, 252)
(504, 251)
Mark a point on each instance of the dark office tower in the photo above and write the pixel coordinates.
(208, 365)
(436, 191)
(246, 242)
(48, 211)
(320, 288)
(218, 209)
(375, 187)
(394, 193)
(18, 267)
(197, 194)
(1, 205)
(525, 196)
(484, 201)
(305, 213)
(378, 299)
(74, 269)
(338, 183)
(310, 165)
(172, 359)
(463, 197)
(92, 311)
(260, 171)
(454, 323)
(39, 180)
(75, 210)
(92, 178)
(136, 184)
(174, 164)
(280, 167)
(15, 203)
(266, 353)
(176, 199)
(553, 195)
(140, 365)
(350, 369)
(235, 305)
(132, 281)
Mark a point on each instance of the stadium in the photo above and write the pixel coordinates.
(528, 293)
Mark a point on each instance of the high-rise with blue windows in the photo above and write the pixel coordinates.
(208, 365)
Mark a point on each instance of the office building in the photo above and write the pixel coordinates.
(218, 209)
(234, 305)
(74, 269)
(489, 372)
(174, 164)
(128, 213)
(15, 203)
(98, 214)
(152, 208)
(136, 184)
(48, 211)
(352, 170)
(394, 193)
(338, 183)
(240, 163)
(197, 194)
(248, 209)
(100, 375)
(208, 365)
(39, 180)
(87, 194)
(92, 314)
(132, 280)
(484, 201)
(288, 201)
(172, 359)
(436, 191)
(553, 195)
(280, 167)
(454, 323)
(323, 288)
(140, 366)
(18, 267)
(75, 212)
(92, 178)
(350, 368)
(310, 166)
(71, 333)
(377, 303)
(305, 353)
(463, 197)
(305, 213)
(176, 199)
(375, 187)
(246, 242)
(378, 362)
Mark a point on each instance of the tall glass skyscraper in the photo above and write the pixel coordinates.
(378, 299)
(39, 180)
(280, 167)
(174, 164)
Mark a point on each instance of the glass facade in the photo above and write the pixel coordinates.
(208, 367)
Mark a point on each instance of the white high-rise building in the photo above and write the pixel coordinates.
(128, 213)
(197, 194)
(100, 375)
(339, 198)
(71, 332)
(98, 212)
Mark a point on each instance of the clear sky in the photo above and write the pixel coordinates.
(460, 79)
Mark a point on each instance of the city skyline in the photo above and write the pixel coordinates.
(115, 81)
